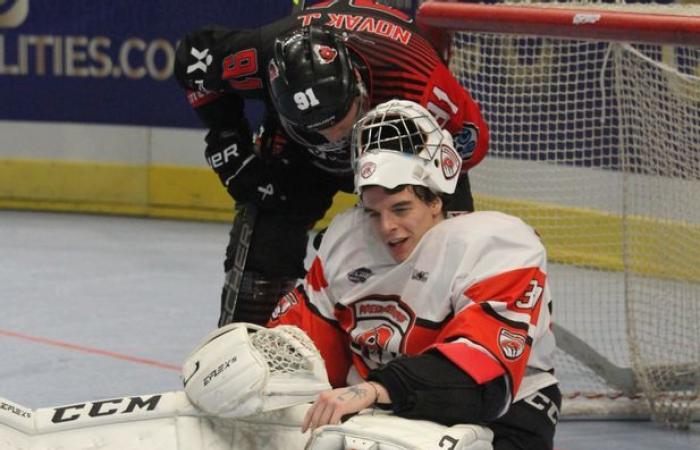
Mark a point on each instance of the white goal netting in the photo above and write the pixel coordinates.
(596, 143)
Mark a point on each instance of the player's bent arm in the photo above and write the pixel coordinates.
(494, 328)
(199, 59)
(501, 304)
(199, 69)
(430, 387)
(220, 111)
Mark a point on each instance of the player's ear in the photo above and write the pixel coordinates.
(436, 206)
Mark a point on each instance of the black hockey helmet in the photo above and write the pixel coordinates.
(312, 78)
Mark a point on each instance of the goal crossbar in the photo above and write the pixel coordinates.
(590, 23)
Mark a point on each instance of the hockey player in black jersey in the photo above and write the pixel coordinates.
(316, 72)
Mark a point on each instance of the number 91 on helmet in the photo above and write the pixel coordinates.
(313, 81)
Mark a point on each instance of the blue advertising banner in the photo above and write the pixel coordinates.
(100, 61)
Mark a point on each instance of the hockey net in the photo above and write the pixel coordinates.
(596, 143)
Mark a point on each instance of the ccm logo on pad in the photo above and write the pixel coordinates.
(104, 408)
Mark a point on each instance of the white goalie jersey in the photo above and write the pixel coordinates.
(475, 288)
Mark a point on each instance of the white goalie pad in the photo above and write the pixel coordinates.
(243, 369)
(166, 421)
(373, 430)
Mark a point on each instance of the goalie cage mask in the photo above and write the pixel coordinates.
(399, 142)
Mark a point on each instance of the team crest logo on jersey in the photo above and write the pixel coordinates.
(359, 275)
(381, 324)
(367, 169)
(373, 343)
(465, 141)
(512, 345)
(272, 70)
(325, 54)
(283, 305)
(450, 162)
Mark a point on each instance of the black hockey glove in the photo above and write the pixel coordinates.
(245, 175)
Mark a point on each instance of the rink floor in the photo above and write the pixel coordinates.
(95, 307)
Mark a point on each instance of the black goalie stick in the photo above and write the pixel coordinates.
(243, 227)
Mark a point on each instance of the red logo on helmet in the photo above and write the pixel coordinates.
(325, 54)
(367, 169)
(374, 341)
(450, 162)
(273, 71)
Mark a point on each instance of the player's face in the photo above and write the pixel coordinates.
(400, 219)
(343, 128)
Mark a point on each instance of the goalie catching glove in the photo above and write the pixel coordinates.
(372, 430)
(243, 369)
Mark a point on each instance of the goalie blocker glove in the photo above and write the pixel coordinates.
(243, 369)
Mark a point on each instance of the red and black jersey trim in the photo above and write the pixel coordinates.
(488, 309)
(432, 325)
(383, 57)
(487, 353)
(311, 307)
(378, 57)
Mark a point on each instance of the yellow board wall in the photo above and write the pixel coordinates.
(591, 239)
(164, 191)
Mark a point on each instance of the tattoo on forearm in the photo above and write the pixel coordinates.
(352, 392)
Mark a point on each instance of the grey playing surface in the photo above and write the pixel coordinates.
(95, 307)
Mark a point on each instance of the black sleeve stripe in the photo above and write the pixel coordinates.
(431, 324)
(511, 323)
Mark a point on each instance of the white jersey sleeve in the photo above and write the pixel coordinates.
(500, 298)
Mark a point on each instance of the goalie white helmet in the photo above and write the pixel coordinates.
(400, 142)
